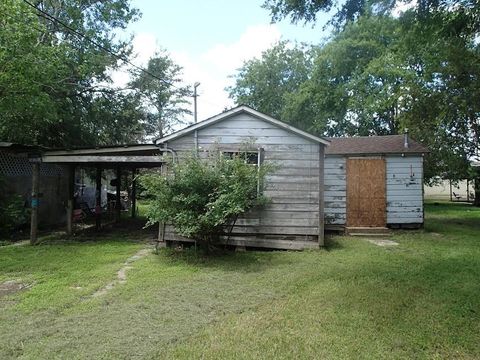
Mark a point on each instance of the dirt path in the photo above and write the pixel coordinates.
(122, 272)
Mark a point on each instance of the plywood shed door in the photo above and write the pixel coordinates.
(366, 200)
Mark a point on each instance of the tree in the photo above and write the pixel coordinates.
(166, 96)
(201, 196)
(356, 84)
(351, 10)
(264, 83)
(50, 76)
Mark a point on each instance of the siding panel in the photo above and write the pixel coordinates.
(335, 190)
(404, 190)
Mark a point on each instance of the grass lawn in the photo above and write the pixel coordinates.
(420, 299)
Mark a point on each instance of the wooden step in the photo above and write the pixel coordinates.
(367, 231)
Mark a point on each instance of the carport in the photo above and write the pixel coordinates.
(119, 158)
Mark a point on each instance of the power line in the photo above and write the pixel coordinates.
(85, 37)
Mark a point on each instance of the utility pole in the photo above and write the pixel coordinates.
(195, 95)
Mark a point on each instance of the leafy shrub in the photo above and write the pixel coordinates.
(200, 197)
(12, 211)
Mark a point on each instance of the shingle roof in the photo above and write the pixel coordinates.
(389, 144)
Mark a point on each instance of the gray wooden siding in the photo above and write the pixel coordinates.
(404, 189)
(404, 186)
(293, 188)
(335, 190)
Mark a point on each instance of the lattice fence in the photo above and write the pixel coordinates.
(18, 165)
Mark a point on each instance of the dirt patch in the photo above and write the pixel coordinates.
(11, 287)
(122, 273)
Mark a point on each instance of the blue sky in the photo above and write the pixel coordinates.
(210, 39)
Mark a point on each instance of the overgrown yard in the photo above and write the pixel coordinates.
(420, 299)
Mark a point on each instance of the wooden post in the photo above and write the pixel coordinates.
(321, 205)
(468, 191)
(98, 199)
(134, 193)
(34, 203)
(70, 200)
(118, 205)
(450, 181)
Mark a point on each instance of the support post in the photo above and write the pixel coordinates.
(468, 191)
(134, 193)
(70, 200)
(118, 205)
(98, 199)
(34, 203)
(450, 182)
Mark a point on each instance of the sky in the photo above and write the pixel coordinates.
(210, 39)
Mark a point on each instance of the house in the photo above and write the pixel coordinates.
(320, 184)
(374, 181)
(293, 219)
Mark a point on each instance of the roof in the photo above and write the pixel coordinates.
(105, 149)
(15, 147)
(235, 111)
(389, 144)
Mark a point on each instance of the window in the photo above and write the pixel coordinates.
(250, 157)
(254, 158)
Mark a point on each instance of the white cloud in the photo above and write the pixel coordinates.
(211, 68)
(252, 42)
(214, 66)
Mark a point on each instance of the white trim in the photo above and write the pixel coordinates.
(236, 111)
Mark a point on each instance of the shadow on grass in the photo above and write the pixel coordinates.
(332, 243)
(224, 259)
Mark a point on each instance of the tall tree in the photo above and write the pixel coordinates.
(264, 83)
(163, 94)
(50, 76)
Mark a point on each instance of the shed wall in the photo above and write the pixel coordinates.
(404, 186)
(293, 213)
(404, 190)
(335, 190)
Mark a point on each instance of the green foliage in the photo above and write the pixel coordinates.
(168, 97)
(348, 11)
(265, 83)
(200, 196)
(381, 74)
(53, 83)
(13, 212)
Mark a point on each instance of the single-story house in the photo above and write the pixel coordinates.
(319, 183)
(294, 217)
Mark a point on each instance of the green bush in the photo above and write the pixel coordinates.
(12, 214)
(200, 197)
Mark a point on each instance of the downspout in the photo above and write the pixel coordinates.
(196, 142)
(164, 148)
